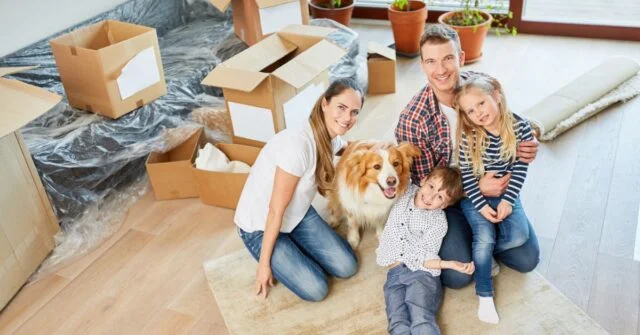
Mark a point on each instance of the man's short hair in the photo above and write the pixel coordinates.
(439, 34)
(451, 182)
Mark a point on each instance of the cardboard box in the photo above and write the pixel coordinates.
(110, 67)
(274, 84)
(170, 173)
(381, 62)
(223, 189)
(28, 223)
(253, 20)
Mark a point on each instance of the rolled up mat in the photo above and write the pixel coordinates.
(614, 80)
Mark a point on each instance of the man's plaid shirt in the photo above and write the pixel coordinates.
(422, 124)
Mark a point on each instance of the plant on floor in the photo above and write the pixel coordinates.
(337, 10)
(407, 18)
(472, 22)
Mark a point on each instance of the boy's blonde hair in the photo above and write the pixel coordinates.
(476, 136)
(451, 182)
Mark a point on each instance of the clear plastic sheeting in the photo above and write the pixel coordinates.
(92, 167)
(352, 65)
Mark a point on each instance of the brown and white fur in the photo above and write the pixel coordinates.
(370, 177)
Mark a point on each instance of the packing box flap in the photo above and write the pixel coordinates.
(374, 48)
(221, 5)
(5, 71)
(235, 79)
(101, 35)
(271, 3)
(262, 54)
(305, 36)
(21, 103)
(309, 64)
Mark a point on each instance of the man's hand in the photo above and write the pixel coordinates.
(527, 150)
(489, 214)
(490, 186)
(504, 209)
(466, 268)
(264, 280)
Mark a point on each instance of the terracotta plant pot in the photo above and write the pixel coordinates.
(320, 10)
(408, 26)
(472, 37)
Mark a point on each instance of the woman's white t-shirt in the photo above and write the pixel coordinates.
(294, 151)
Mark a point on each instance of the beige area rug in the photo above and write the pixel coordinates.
(527, 304)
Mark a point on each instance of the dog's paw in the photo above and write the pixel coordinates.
(354, 242)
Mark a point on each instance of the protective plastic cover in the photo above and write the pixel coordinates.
(93, 167)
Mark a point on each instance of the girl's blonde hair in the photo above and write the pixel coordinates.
(325, 170)
(477, 139)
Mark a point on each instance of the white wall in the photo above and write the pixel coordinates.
(23, 22)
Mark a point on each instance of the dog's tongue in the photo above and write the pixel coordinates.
(390, 192)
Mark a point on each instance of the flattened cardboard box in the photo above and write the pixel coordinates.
(110, 67)
(381, 63)
(170, 173)
(274, 84)
(253, 20)
(28, 223)
(223, 189)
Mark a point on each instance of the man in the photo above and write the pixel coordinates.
(429, 122)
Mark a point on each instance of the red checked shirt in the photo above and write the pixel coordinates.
(422, 124)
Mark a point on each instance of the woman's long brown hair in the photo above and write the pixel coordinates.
(325, 171)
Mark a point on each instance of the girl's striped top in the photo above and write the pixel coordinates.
(494, 163)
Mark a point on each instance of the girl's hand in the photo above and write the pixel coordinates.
(490, 214)
(504, 210)
(264, 280)
(466, 268)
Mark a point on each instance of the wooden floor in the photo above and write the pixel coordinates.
(581, 196)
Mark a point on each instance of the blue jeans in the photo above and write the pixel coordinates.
(456, 245)
(301, 258)
(490, 238)
(412, 301)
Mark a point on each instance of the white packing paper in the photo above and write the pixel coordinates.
(139, 73)
(251, 122)
(298, 108)
(275, 18)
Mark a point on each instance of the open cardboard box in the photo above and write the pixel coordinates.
(274, 84)
(28, 223)
(253, 20)
(110, 67)
(170, 173)
(381, 63)
(173, 174)
(223, 189)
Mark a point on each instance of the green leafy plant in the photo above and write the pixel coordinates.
(335, 3)
(401, 5)
(471, 15)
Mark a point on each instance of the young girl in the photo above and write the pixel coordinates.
(488, 134)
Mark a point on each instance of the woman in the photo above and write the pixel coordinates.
(274, 214)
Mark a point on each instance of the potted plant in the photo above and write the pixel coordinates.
(337, 10)
(472, 24)
(407, 18)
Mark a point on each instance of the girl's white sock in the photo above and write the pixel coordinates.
(487, 310)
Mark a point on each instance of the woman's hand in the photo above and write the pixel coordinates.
(490, 186)
(490, 214)
(264, 280)
(504, 209)
(466, 268)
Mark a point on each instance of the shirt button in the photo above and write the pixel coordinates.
(402, 224)
(401, 255)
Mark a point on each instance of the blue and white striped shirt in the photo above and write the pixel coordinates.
(494, 163)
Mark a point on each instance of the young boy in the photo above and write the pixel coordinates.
(410, 244)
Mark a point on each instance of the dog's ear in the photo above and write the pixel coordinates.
(356, 165)
(409, 150)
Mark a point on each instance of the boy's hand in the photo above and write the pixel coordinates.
(490, 214)
(466, 268)
(504, 209)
